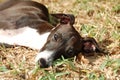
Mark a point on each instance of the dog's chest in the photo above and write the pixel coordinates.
(23, 36)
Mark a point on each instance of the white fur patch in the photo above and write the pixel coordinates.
(47, 55)
(26, 36)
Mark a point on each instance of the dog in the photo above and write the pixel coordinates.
(28, 23)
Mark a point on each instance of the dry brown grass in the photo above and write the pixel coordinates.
(97, 18)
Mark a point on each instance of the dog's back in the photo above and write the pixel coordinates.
(23, 13)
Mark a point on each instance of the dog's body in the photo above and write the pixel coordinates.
(19, 24)
(27, 23)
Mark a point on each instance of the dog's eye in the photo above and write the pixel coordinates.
(55, 37)
(71, 51)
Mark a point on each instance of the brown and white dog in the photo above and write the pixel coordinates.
(28, 23)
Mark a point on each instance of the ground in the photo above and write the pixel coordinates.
(95, 18)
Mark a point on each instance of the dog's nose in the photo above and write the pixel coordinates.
(44, 59)
(43, 63)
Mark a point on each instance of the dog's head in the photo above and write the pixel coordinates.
(64, 41)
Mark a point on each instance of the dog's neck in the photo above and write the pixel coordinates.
(25, 36)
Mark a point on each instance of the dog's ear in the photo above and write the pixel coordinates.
(90, 45)
(63, 18)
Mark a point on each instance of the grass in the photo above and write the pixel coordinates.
(96, 18)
